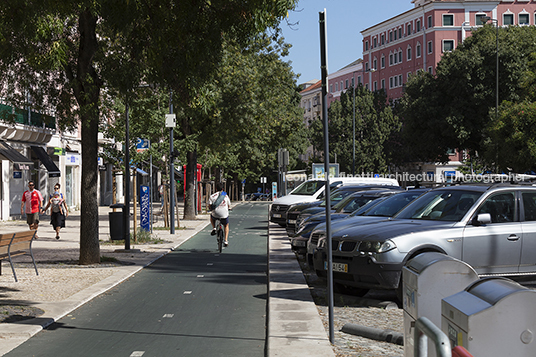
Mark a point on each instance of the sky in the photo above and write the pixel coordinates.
(345, 20)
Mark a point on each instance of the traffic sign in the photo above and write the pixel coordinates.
(141, 144)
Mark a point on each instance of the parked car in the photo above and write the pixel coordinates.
(337, 195)
(313, 190)
(311, 217)
(490, 227)
(378, 210)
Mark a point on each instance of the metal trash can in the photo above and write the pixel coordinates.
(426, 279)
(117, 227)
(492, 317)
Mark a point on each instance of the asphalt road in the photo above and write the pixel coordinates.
(192, 302)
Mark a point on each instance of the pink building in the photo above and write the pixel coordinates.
(416, 39)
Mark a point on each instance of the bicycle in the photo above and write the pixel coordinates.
(220, 235)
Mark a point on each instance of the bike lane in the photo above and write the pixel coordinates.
(193, 301)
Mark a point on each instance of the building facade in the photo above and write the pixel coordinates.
(416, 39)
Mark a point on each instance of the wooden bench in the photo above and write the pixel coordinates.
(13, 244)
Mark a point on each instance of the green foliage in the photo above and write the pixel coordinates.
(454, 108)
(375, 124)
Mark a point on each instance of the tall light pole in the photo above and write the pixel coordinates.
(485, 19)
(353, 119)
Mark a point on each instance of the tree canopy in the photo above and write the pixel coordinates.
(62, 54)
(454, 108)
(375, 123)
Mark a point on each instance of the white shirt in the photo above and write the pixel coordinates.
(222, 211)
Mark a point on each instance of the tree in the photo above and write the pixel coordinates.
(63, 53)
(375, 123)
(452, 109)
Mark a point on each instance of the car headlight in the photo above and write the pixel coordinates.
(376, 247)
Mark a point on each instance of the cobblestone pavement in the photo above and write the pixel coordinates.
(377, 310)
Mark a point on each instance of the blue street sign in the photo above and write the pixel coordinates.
(141, 144)
(145, 208)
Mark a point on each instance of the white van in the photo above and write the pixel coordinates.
(312, 190)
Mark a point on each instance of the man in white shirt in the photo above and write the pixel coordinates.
(221, 211)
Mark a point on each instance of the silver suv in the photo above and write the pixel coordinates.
(490, 227)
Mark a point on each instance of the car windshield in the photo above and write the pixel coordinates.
(392, 205)
(441, 205)
(337, 197)
(308, 188)
(354, 203)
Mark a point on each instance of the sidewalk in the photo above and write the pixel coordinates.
(295, 328)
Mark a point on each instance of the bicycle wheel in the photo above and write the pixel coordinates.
(220, 239)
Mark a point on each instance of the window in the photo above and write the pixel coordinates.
(409, 53)
(375, 63)
(395, 34)
(375, 43)
(336, 87)
(396, 81)
(430, 47)
(508, 19)
(390, 59)
(346, 85)
(400, 56)
(448, 45)
(391, 36)
(400, 83)
(383, 39)
(400, 32)
(375, 86)
(383, 83)
(366, 46)
(331, 88)
(358, 79)
(418, 50)
(353, 84)
(501, 207)
(391, 82)
(431, 70)
(430, 22)
(341, 85)
(383, 61)
(366, 66)
(409, 29)
(418, 26)
(448, 20)
(478, 19)
(524, 19)
(529, 205)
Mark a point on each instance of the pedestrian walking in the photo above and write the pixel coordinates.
(58, 211)
(33, 200)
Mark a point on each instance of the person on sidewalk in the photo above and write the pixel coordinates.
(220, 204)
(33, 200)
(57, 212)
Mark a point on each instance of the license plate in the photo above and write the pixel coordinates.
(338, 267)
(276, 215)
(298, 243)
(292, 221)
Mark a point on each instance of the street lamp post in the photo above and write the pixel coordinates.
(353, 119)
(486, 19)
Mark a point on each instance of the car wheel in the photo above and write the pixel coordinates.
(349, 290)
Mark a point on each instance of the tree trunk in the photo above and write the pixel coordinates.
(86, 87)
(189, 195)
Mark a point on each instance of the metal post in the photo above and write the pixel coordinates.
(171, 173)
(151, 192)
(353, 131)
(126, 209)
(324, 70)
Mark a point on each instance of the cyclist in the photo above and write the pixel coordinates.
(220, 204)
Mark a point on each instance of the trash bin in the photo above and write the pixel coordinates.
(428, 278)
(492, 317)
(117, 226)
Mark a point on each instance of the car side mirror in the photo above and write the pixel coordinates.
(482, 219)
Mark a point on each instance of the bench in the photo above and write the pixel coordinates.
(13, 244)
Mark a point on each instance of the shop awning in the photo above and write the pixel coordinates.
(51, 167)
(14, 156)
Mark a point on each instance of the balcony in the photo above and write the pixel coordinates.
(24, 125)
